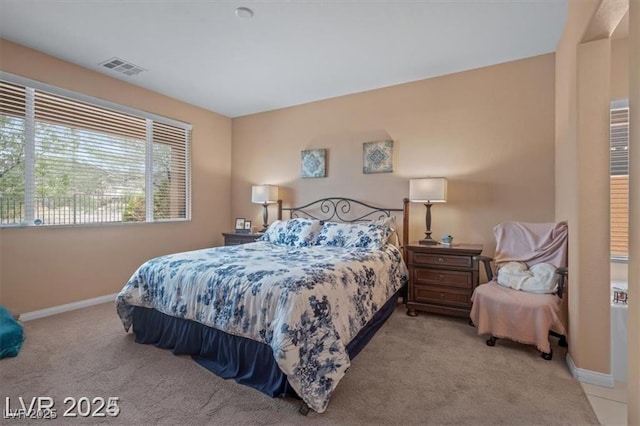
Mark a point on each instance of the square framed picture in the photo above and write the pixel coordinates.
(377, 157)
(313, 163)
(240, 223)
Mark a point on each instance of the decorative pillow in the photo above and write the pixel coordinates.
(293, 232)
(358, 235)
(389, 226)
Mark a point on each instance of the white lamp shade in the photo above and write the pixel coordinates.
(261, 194)
(425, 190)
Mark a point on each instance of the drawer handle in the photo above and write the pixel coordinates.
(441, 296)
(441, 277)
(440, 259)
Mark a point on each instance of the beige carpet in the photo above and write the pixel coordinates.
(425, 370)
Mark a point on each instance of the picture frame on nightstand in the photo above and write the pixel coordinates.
(240, 224)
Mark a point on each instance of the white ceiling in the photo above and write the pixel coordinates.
(290, 52)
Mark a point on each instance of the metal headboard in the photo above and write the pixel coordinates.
(342, 209)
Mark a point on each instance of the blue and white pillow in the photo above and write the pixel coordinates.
(370, 236)
(388, 224)
(293, 232)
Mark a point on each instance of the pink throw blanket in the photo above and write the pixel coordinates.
(532, 243)
(517, 315)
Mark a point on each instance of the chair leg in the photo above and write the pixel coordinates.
(548, 356)
(562, 338)
(491, 341)
(471, 323)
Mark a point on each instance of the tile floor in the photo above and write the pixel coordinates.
(609, 404)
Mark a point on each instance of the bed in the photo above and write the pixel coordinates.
(286, 314)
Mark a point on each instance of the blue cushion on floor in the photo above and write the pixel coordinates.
(11, 334)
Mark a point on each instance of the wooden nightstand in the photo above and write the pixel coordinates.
(233, 238)
(441, 278)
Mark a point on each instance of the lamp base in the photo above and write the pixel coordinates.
(428, 242)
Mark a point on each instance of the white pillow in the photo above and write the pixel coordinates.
(297, 232)
(357, 235)
(540, 278)
(389, 226)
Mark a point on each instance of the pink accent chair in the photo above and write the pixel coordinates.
(521, 316)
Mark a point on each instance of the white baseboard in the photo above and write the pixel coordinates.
(588, 376)
(41, 313)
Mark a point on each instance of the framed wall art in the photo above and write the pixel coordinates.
(313, 163)
(377, 157)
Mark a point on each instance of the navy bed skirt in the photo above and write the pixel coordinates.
(249, 362)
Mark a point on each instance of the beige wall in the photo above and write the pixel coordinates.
(580, 73)
(489, 131)
(620, 68)
(49, 266)
(589, 352)
(593, 264)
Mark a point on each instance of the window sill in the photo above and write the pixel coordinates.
(91, 225)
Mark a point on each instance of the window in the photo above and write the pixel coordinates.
(619, 160)
(68, 159)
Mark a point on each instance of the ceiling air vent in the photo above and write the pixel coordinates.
(120, 65)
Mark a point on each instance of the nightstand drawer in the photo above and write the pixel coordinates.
(231, 241)
(458, 279)
(234, 239)
(417, 258)
(450, 297)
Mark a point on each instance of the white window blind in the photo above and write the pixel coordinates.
(619, 161)
(68, 160)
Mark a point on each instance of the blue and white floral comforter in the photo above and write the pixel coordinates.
(306, 303)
